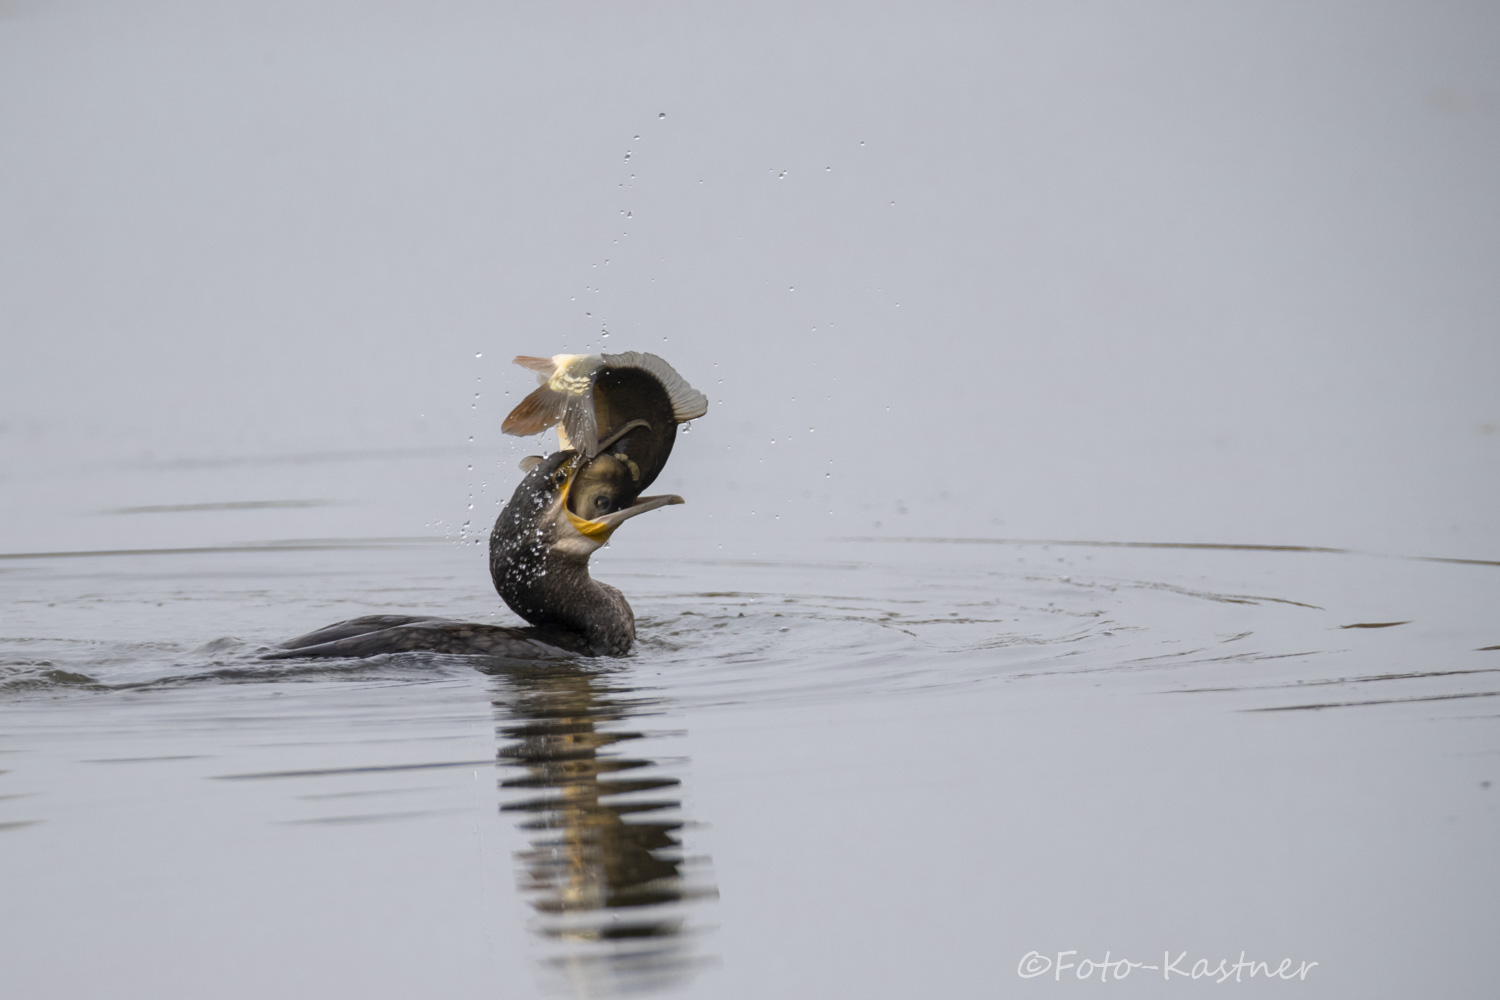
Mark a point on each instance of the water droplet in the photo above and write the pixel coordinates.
(637, 138)
(627, 154)
(781, 176)
(478, 354)
(661, 116)
(791, 288)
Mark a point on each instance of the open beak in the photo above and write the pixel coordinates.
(600, 528)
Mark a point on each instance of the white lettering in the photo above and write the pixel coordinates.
(1034, 964)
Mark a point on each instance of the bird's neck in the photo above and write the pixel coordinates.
(553, 589)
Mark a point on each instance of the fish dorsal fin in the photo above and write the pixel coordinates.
(530, 462)
(687, 403)
(542, 366)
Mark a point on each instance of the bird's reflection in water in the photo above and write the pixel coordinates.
(606, 869)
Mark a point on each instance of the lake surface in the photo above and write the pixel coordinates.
(859, 767)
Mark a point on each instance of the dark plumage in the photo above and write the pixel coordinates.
(539, 557)
(539, 562)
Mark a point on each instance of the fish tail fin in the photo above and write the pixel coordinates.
(687, 403)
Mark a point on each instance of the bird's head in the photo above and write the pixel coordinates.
(572, 505)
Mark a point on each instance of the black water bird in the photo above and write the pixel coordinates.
(567, 506)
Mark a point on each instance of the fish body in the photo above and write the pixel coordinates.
(588, 397)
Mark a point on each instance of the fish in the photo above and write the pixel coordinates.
(588, 397)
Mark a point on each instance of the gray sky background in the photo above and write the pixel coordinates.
(1156, 271)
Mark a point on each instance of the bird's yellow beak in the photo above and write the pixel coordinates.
(599, 529)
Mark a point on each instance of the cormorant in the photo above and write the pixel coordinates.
(565, 508)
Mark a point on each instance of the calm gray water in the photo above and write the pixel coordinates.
(868, 768)
(1090, 549)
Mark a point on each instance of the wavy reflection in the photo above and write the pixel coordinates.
(606, 870)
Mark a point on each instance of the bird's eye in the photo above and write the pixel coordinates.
(603, 502)
(560, 478)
